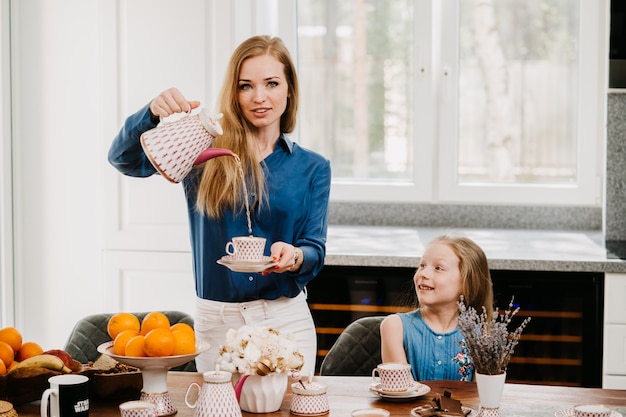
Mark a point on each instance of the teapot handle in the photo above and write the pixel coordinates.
(187, 395)
(239, 386)
(210, 153)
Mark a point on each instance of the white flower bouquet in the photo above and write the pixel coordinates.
(488, 341)
(259, 351)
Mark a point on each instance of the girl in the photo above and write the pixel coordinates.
(429, 337)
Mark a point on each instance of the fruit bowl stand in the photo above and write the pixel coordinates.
(154, 372)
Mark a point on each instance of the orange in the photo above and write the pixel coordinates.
(134, 347)
(185, 342)
(182, 326)
(3, 368)
(119, 344)
(12, 336)
(6, 354)
(28, 350)
(120, 322)
(159, 342)
(154, 320)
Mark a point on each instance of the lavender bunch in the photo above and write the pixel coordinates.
(488, 340)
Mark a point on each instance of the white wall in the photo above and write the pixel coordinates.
(58, 150)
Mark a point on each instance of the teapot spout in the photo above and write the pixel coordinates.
(239, 386)
(210, 153)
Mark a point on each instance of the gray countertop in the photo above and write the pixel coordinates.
(531, 250)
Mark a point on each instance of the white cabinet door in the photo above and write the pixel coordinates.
(614, 351)
(145, 59)
(148, 281)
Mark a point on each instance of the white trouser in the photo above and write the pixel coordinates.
(288, 315)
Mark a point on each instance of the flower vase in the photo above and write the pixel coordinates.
(263, 394)
(490, 393)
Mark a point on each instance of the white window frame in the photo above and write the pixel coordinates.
(593, 82)
(435, 160)
(7, 287)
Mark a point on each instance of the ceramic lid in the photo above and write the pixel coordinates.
(217, 376)
(211, 124)
(309, 388)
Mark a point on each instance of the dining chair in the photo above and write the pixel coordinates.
(91, 331)
(356, 351)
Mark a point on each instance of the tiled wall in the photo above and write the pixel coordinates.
(615, 194)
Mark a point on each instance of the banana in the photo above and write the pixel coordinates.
(44, 361)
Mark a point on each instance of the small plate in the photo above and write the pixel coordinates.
(569, 412)
(246, 266)
(416, 391)
(309, 414)
(469, 412)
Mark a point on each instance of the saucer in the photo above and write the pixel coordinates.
(469, 412)
(569, 412)
(231, 263)
(323, 413)
(417, 390)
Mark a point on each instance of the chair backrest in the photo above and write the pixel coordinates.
(357, 349)
(91, 331)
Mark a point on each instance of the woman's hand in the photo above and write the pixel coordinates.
(287, 256)
(171, 101)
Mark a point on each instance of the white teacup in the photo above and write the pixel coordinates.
(138, 409)
(591, 410)
(393, 377)
(370, 412)
(246, 248)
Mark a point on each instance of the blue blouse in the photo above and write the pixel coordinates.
(298, 186)
(432, 355)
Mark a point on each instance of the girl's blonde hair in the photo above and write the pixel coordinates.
(476, 287)
(220, 186)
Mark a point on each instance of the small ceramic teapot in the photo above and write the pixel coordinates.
(309, 398)
(216, 397)
(175, 148)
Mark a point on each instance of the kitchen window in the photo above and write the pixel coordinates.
(456, 101)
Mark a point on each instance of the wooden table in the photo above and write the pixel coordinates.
(349, 393)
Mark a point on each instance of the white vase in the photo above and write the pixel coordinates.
(490, 393)
(263, 394)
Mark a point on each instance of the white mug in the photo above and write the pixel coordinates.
(68, 396)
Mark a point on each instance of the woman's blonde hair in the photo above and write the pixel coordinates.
(220, 186)
(476, 287)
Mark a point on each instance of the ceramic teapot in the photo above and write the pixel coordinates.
(216, 396)
(175, 148)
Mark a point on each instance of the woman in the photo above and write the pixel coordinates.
(429, 337)
(288, 187)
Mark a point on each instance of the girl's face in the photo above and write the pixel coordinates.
(438, 278)
(262, 91)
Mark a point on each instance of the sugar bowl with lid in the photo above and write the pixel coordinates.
(309, 398)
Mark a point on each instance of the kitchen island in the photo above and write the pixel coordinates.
(527, 250)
